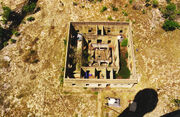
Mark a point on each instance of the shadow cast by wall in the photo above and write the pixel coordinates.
(145, 101)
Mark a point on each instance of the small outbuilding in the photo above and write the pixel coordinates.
(115, 102)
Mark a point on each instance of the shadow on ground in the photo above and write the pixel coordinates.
(146, 101)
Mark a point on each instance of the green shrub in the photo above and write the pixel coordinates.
(5, 43)
(104, 8)
(99, 0)
(155, 3)
(61, 79)
(29, 8)
(30, 19)
(126, 55)
(147, 1)
(178, 12)
(168, 1)
(170, 11)
(130, 1)
(125, 13)
(124, 72)
(114, 8)
(177, 102)
(16, 33)
(75, 3)
(170, 25)
(13, 40)
(126, 5)
(110, 18)
(124, 43)
(65, 42)
(143, 11)
(96, 93)
(6, 14)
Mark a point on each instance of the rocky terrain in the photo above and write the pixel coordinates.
(30, 69)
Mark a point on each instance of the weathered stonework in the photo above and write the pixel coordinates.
(93, 54)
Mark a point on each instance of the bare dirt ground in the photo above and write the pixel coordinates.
(28, 89)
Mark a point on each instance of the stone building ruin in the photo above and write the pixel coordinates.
(93, 54)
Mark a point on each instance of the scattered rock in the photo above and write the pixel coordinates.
(32, 77)
(7, 58)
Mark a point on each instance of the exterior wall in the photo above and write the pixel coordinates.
(131, 56)
(115, 28)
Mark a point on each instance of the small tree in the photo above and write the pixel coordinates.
(170, 25)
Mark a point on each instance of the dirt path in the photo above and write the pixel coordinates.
(99, 104)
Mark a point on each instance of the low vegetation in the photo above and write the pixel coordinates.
(110, 18)
(15, 19)
(75, 3)
(125, 13)
(114, 8)
(124, 71)
(6, 14)
(12, 40)
(124, 43)
(155, 3)
(169, 13)
(170, 25)
(16, 33)
(143, 11)
(29, 7)
(30, 19)
(130, 1)
(104, 8)
(177, 102)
